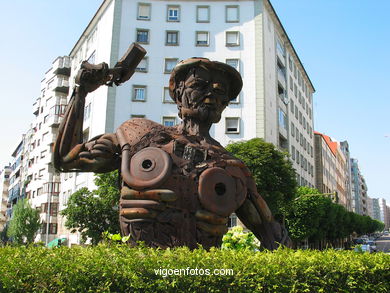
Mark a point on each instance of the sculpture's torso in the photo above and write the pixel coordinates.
(191, 174)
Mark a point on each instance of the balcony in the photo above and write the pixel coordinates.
(61, 86)
(53, 121)
(62, 66)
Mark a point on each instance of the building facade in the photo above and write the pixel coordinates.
(347, 172)
(384, 212)
(376, 211)
(325, 163)
(4, 184)
(17, 178)
(359, 189)
(43, 182)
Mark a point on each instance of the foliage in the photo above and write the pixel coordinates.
(115, 238)
(316, 217)
(24, 224)
(271, 169)
(118, 268)
(237, 239)
(94, 212)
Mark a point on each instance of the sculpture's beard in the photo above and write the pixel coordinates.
(203, 113)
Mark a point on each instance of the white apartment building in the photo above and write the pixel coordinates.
(43, 183)
(276, 102)
(4, 184)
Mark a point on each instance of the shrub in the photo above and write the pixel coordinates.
(237, 239)
(118, 268)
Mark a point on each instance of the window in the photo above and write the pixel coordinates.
(91, 58)
(292, 129)
(166, 97)
(173, 13)
(172, 38)
(139, 93)
(235, 63)
(53, 228)
(44, 136)
(296, 112)
(292, 106)
(292, 152)
(202, 39)
(87, 111)
(282, 119)
(64, 199)
(43, 154)
(86, 135)
(142, 36)
(232, 125)
(45, 119)
(300, 117)
(280, 47)
(170, 63)
(41, 172)
(137, 116)
(232, 220)
(202, 14)
(169, 121)
(143, 65)
(53, 209)
(291, 83)
(232, 13)
(295, 71)
(232, 39)
(143, 11)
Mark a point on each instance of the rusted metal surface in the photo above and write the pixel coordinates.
(178, 184)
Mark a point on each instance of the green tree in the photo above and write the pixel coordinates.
(305, 216)
(94, 212)
(271, 169)
(24, 224)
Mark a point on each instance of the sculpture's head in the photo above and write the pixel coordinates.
(202, 88)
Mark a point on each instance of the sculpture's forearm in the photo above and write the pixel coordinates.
(70, 133)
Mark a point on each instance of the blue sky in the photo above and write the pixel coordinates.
(343, 46)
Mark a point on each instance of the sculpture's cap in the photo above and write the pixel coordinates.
(180, 71)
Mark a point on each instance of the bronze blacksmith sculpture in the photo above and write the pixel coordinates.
(179, 185)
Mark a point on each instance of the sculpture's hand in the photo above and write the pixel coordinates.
(257, 217)
(101, 154)
(211, 223)
(147, 204)
(91, 76)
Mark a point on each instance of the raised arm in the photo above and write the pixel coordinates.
(101, 154)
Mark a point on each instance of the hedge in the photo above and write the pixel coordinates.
(118, 268)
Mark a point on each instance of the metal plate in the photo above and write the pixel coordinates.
(150, 167)
(217, 191)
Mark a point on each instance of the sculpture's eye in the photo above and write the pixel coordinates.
(219, 89)
(198, 84)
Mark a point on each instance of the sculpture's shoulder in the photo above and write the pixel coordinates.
(133, 130)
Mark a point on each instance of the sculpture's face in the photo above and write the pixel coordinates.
(204, 95)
